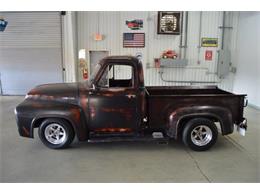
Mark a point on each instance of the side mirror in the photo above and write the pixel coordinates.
(93, 86)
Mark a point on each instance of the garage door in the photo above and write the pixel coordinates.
(30, 51)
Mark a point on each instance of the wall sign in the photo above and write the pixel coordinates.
(208, 55)
(209, 42)
(169, 22)
(133, 40)
(136, 24)
(98, 37)
(3, 24)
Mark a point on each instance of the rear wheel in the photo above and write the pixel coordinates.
(200, 134)
(56, 133)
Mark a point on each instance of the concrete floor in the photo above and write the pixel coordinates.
(232, 159)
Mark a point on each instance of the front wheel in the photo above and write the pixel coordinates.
(56, 133)
(200, 134)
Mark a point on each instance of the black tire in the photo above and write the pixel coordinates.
(206, 126)
(66, 128)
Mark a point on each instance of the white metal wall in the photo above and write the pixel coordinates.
(112, 26)
(247, 80)
(30, 51)
(69, 46)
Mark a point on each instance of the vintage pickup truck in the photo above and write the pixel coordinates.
(114, 105)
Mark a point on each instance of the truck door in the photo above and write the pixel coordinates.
(113, 102)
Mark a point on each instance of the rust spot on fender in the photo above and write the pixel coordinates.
(26, 131)
(34, 92)
(84, 102)
(76, 114)
(108, 94)
(36, 105)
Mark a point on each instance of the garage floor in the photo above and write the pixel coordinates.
(233, 159)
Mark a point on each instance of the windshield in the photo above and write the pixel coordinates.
(93, 74)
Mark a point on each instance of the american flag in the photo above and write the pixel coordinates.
(133, 40)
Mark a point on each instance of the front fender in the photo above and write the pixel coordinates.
(223, 115)
(30, 112)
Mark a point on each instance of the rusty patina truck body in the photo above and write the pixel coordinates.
(110, 108)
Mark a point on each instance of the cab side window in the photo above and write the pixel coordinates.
(117, 76)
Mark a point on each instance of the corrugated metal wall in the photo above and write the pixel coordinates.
(30, 51)
(112, 26)
(31, 30)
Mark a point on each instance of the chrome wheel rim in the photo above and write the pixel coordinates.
(201, 135)
(55, 133)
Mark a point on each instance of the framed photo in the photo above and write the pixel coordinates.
(169, 23)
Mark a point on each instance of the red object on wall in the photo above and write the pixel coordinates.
(157, 63)
(85, 73)
(208, 55)
(169, 54)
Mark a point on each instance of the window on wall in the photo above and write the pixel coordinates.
(117, 76)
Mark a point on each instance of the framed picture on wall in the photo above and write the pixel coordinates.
(169, 23)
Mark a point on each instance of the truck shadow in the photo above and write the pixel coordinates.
(127, 145)
(177, 145)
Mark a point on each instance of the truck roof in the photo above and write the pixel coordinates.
(121, 59)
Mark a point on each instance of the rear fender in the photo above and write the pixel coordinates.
(220, 114)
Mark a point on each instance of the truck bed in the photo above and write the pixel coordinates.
(160, 99)
(185, 90)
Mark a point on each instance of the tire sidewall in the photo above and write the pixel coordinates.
(194, 123)
(67, 127)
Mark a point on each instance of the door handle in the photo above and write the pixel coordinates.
(130, 96)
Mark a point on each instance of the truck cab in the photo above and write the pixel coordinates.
(117, 97)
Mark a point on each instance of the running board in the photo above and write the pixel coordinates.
(129, 139)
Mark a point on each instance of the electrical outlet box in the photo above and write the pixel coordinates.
(224, 61)
(168, 62)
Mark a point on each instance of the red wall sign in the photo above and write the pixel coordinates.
(208, 55)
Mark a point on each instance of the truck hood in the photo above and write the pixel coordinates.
(68, 92)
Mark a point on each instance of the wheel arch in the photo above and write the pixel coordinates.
(183, 121)
(178, 118)
(37, 121)
(79, 128)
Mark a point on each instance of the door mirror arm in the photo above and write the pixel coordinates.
(93, 86)
(92, 89)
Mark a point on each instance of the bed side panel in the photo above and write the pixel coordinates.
(161, 106)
